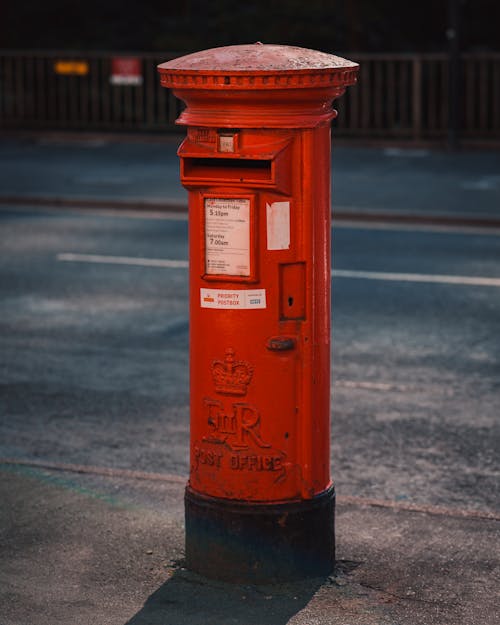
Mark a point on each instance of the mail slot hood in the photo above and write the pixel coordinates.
(236, 158)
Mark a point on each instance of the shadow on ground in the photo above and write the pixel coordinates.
(187, 598)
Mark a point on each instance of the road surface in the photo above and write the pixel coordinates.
(94, 351)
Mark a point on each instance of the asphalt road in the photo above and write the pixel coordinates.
(390, 180)
(94, 351)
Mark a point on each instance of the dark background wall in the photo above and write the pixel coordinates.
(330, 25)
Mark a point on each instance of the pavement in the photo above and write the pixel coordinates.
(102, 551)
(94, 395)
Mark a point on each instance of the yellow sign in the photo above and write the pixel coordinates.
(71, 68)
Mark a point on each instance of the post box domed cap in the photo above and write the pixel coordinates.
(258, 60)
(269, 85)
(257, 57)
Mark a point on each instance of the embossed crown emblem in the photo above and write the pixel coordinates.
(231, 376)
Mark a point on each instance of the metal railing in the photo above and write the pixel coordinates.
(407, 96)
(34, 95)
(399, 96)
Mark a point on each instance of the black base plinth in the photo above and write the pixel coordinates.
(253, 543)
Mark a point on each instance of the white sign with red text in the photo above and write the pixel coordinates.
(236, 299)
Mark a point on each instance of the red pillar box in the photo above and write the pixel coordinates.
(256, 163)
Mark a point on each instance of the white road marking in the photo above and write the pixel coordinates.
(123, 260)
(402, 227)
(485, 183)
(417, 277)
(371, 386)
(150, 213)
(415, 153)
(336, 273)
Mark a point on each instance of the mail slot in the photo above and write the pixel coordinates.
(227, 169)
(256, 163)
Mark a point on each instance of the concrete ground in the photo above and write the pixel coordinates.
(93, 398)
(108, 550)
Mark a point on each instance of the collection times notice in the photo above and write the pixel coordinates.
(227, 236)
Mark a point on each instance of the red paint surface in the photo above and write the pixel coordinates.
(260, 403)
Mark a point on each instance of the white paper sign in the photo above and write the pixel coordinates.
(278, 225)
(234, 299)
(227, 236)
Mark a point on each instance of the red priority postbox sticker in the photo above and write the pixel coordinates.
(236, 299)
